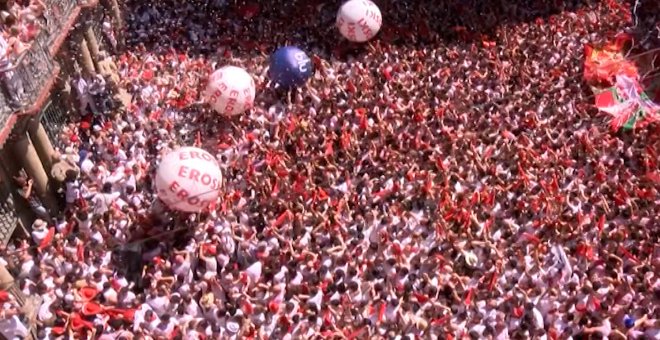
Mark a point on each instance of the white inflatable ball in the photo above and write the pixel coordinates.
(359, 20)
(230, 91)
(188, 179)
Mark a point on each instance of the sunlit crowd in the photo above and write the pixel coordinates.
(449, 179)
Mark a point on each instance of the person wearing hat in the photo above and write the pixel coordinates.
(39, 230)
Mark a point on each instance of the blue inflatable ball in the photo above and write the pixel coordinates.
(629, 321)
(290, 67)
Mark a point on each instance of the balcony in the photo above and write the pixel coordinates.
(24, 79)
(58, 13)
(29, 75)
(8, 218)
(62, 14)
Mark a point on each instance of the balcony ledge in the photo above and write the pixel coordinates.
(30, 110)
(64, 33)
(38, 102)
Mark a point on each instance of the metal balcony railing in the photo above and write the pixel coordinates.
(97, 26)
(4, 117)
(54, 119)
(23, 80)
(58, 13)
(8, 222)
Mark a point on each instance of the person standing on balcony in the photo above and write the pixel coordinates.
(10, 85)
(38, 9)
(30, 28)
(15, 43)
(31, 19)
(5, 64)
(13, 85)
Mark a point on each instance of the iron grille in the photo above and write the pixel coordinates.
(97, 28)
(58, 12)
(4, 114)
(53, 118)
(8, 218)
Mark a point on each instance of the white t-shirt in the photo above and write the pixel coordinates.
(129, 181)
(61, 226)
(159, 304)
(136, 199)
(39, 235)
(3, 50)
(81, 86)
(86, 166)
(72, 191)
(44, 310)
(110, 295)
(116, 178)
(193, 309)
(210, 264)
(183, 269)
(85, 226)
(138, 316)
(127, 299)
(192, 335)
(605, 328)
(538, 318)
(27, 269)
(103, 202)
(13, 328)
(99, 179)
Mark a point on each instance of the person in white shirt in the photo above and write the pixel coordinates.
(3, 51)
(81, 86)
(103, 201)
(128, 181)
(39, 231)
(73, 192)
(125, 297)
(165, 326)
(159, 303)
(84, 222)
(604, 329)
(109, 294)
(140, 316)
(182, 266)
(98, 174)
(45, 315)
(11, 326)
(87, 165)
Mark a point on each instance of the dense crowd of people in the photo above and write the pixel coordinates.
(449, 179)
(20, 22)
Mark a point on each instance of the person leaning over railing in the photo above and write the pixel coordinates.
(11, 47)
(27, 19)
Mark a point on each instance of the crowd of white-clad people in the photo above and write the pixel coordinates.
(449, 179)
